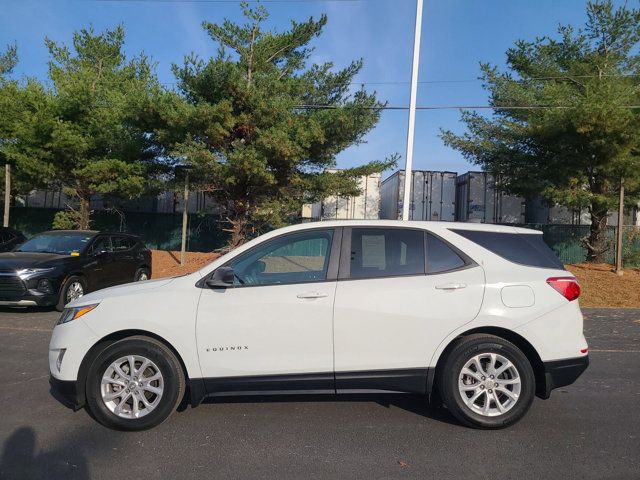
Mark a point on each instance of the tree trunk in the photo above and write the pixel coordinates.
(238, 230)
(596, 242)
(84, 212)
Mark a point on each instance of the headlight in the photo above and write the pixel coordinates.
(30, 272)
(69, 314)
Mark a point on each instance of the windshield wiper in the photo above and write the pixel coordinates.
(36, 251)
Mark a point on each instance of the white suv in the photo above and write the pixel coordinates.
(484, 316)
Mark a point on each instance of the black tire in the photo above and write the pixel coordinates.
(140, 272)
(62, 300)
(464, 351)
(169, 367)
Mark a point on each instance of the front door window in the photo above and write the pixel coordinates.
(296, 258)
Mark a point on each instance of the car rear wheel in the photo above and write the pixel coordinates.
(72, 289)
(487, 382)
(141, 275)
(134, 384)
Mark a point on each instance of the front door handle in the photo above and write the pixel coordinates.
(312, 295)
(451, 286)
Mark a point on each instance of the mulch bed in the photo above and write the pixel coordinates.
(601, 287)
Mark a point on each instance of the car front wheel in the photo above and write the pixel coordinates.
(134, 384)
(487, 382)
(72, 289)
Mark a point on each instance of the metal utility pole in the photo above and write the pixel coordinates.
(412, 112)
(185, 217)
(620, 230)
(7, 193)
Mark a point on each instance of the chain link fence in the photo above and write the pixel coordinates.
(163, 231)
(566, 241)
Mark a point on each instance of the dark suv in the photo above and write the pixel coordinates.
(54, 268)
(10, 238)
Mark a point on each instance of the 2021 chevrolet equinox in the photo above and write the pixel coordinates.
(484, 315)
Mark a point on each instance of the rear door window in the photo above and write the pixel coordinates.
(522, 248)
(102, 244)
(121, 244)
(378, 252)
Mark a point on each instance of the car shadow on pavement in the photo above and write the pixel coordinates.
(417, 404)
(21, 460)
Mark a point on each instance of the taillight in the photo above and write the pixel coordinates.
(568, 287)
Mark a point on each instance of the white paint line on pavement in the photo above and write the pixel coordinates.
(22, 329)
(27, 380)
(614, 351)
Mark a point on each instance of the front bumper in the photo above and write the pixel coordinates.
(559, 373)
(67, 393)
(28, 300)
(16, 291)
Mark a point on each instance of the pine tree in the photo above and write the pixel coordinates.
(581, 139)
(260, 127)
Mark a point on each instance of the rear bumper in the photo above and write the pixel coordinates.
(559, 373)
(66, 392)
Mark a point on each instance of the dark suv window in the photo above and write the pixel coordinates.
(441, 257)
(522, 248)
(101, 244)
(378, 252)
(122, 243)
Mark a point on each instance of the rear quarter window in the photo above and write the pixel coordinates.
(522, 248)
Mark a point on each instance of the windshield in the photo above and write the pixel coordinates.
(60, 243)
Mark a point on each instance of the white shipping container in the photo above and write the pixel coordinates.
(539, 210)
(432, 196)
(365, 206)
(45, 199)
(478, 200)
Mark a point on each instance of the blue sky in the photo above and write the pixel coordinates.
(456, 36)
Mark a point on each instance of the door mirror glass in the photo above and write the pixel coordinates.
(221, 278)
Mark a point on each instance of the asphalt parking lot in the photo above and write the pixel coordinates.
(589, 430)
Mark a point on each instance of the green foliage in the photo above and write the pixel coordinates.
(631, 246)
(90, 133)
(581, 138)
(19, 104)
(8, 60)
(244, 130)
(66, 220)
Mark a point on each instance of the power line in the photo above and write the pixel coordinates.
(456, 107)
(230, 1)
(403, 82)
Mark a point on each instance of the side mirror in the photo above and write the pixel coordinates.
(222, 278)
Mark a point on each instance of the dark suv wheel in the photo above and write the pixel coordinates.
(72, 289)
(141, 275)
(487, 382)
(134, 384)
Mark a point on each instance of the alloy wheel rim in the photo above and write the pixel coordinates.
(74, 291)
(143, 276)
(489, 384)
(132, 387)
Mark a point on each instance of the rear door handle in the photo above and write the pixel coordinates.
(312, 295)
(451, 286)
